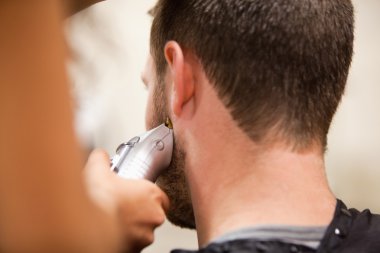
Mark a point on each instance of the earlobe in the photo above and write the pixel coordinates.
(182, 88)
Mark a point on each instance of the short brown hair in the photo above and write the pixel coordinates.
(277, 65)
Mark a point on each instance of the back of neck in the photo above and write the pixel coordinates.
(241, 187)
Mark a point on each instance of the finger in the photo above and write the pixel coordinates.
(98, 160)
(165, 202)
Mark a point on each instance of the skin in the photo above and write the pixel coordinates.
(47, 203)
(234, 182)
(172, 180)
(138, 204)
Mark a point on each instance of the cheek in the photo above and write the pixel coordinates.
(149, 110)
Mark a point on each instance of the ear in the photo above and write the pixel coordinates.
(181, 71)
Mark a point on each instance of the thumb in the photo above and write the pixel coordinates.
(97, 176)
(98, 160)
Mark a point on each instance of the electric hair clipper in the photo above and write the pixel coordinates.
(145, 156)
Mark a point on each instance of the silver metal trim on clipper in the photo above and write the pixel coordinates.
(144, 156)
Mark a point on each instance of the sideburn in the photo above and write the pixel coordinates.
(173, 180)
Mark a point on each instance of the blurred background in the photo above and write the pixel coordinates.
(109, 43)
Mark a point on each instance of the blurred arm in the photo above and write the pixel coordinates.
(44, 206)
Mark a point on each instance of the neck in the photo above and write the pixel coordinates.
(236, 183)
(242, 186)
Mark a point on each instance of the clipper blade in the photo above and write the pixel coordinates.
(168, 123)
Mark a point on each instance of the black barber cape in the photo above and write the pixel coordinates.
(350, 231)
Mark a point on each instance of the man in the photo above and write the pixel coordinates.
(251, 87)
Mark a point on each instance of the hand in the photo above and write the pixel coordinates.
(138, 205)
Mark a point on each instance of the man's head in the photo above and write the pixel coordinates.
(279, 67)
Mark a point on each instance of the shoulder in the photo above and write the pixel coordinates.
(365, 219)
(352, 231)
(365, 228)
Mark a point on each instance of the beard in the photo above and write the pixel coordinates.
(173, 180)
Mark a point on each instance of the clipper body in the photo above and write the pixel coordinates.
(144, 156)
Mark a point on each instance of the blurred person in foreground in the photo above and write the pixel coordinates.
(47, 203)
(251, 87)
